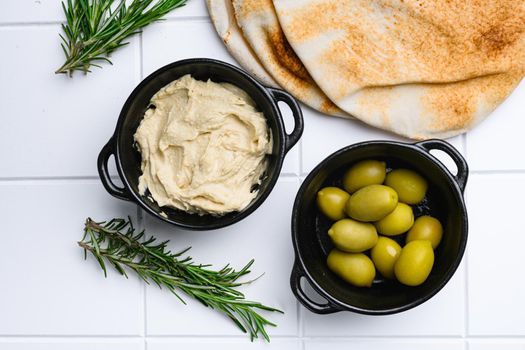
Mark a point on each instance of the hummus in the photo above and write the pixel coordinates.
(203, 147)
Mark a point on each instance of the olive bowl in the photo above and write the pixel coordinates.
(128, 159)
(444, 200)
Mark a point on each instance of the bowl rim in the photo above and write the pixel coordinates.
(335, 304)
(276, 115)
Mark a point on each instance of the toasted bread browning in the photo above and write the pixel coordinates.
(452, 62)
(260, 26)
(223, 18)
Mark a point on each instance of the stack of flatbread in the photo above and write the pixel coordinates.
(418, 68)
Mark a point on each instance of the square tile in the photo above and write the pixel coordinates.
(193, 8)
(496, 344)
(57, 125)
(263, 236)
(323, 135)
(497, 142)
(223, 344)
(168, 42)
(23, 11)
(495, 248)
(47, 287)
(71, 344)
(443, 315)
(381, 344)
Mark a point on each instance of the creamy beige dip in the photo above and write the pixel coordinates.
(203, 147)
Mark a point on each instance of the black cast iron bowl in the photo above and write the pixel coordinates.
(128, 159)
(444, 201)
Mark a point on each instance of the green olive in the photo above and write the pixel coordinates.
(384, 255)
(414, 263)
(354, 268)
(331, 202)
(409, 185)
(397, 222)
(353, 236)
(426, 227)
(371, 203)
(364, 173)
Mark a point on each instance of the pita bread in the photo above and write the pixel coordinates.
(419, 68)
(223, 18)
(260, 26)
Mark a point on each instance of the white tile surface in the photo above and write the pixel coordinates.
(23, 11)
(444, 314)
(160, 49)
(29, 11)
(167, 42)
(324, 135)
(222, 344)
(193, 8)
(495, 255)
(390, 344)
(51, 132)
(264, 236)
(47, 287)
(54, 125)
(71, 344)
(496, 344)
(498, 143)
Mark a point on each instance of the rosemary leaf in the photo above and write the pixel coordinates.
(118, 243)
(96, 28)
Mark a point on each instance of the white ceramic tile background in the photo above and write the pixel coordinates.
(222, 344)
(52, 130)
(381, 344)
(76, 343)
(267, 243)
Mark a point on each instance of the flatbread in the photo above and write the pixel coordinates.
(223, 18)
(419, 68)
(260, 26)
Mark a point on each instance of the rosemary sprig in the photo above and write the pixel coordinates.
(117, 243)
(96, 28)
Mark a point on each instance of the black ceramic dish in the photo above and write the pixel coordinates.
(312, 245)
(128, 159)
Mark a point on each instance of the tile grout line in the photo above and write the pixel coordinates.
(281, 176)
(324, 337)
(54, 22)
(300, 321)
(518, 338)
(141, 56)
(91, 177)
(300, 314)
(51, 178)
(466, 306)
(141, 226)
(30, 24)
(464, 144)
(465, 273)
(300, 152)
(300, 327)
(497, 172)
(140, 214)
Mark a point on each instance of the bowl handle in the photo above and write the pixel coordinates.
(102, 164)
(462, 175)
(295, 283)
(295, 135)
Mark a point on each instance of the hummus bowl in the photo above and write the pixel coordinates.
(444, 200)
(128, 159)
